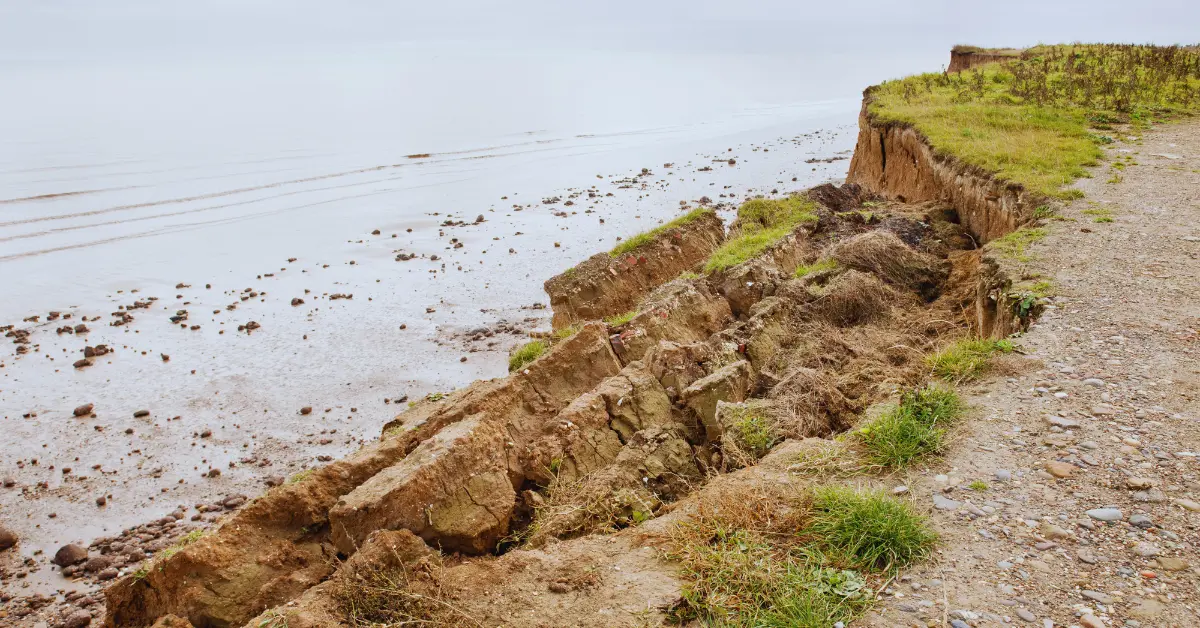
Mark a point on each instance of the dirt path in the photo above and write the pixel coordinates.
(1115, 358)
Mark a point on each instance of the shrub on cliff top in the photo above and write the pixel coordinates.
(1028, 120)
(646, 236)
(761, 223)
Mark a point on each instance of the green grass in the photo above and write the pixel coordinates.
(913, 429)
(966, 360)
(755, 432)
(803, 559)
(525, 354)
(616, 320)
(761, 223)
(1016, 245)
(1099, 215)
(300, 476)
(1042, 288)
(866, 529)
(646, 236)
(978, 486)
(1030, 120)
(741, 580)
(818, 266)
(567, 332)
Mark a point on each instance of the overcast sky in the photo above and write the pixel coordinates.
(82, 29)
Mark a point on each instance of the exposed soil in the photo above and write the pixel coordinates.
(1113, 362)
(612, 427)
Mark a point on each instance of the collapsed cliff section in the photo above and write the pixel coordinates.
(896, 161)
(609, 284)
(511, 485)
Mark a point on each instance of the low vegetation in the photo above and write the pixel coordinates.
(1040, 119)
(966, 360)
(805, 561)
(761, 223)
(617, 320)
(753, 431)
(525, 354)
(914, 428)
(646, 236)
(818, 266)
(1015, 245)
(867, 530)
(1099, 214)
(397, 596)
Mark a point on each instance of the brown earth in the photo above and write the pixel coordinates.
(604, 285)
(896, 161)
(576, 444)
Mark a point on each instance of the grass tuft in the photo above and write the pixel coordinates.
(616, 320)
(646, 236)
(966, 360)
(300, 476)
(754, 433)
(914, 428)
(1016, 245)
(816, 267)
(525, 354)
(866, 529)
(761, 223)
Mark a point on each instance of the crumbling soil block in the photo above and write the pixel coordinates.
(604, 285)
(683, 311)
(453, 491)
(730, 383)
(590, 432)
(892, 260)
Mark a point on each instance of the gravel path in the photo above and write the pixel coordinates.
(1088, 443)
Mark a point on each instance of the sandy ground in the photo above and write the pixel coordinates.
(224, 401)
(1114, 363)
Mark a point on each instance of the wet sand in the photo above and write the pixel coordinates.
(219, 248)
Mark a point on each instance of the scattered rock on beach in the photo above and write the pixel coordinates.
(70, 554)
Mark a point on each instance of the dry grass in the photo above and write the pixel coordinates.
(807, 403)
(893, 261)
(398, 595)
(782, 557)
(854, 298)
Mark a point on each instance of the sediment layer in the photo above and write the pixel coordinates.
(605, 285)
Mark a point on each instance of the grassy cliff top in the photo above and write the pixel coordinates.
(1040, 119)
